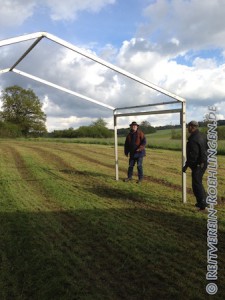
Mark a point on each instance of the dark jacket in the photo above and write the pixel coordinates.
(135, 144)
(196, 150)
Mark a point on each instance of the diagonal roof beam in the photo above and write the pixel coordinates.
(92, 57)
(39, 35)
(61, 88)
(112, 67)
(4, 70)
(26, 52)
(21, 38)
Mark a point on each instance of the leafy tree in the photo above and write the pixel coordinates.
(146, 127)
(9, 130)
(23, 108)
(145, 124)
(99, 123)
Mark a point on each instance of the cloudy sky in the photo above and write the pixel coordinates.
(179, 45)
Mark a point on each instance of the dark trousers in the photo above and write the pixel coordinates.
(132, 162)
(197, 186)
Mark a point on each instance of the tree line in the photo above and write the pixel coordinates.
(22, 116)
(97, 129)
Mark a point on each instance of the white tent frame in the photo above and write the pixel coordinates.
(38, 36)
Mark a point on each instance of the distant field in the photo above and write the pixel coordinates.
(70, 231)
(159, 140)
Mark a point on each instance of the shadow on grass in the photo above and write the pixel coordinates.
(116, 193)
(84, 173)
(103, 254)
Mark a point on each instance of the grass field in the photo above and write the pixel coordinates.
(70, 231)
(158, 140)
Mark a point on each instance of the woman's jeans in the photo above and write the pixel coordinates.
(132, 162)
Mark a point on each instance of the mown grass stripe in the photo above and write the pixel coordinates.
(86, 236)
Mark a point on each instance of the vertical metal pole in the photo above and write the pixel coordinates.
(183, 119)
(116, 148)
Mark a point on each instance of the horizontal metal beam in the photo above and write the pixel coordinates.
(147, 105)
(156, 112)
(62, 88)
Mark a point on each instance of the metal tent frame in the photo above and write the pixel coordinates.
(38, 36)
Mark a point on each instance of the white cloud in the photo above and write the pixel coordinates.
(173, 31)
(193, 23)
(65, 123)
(205, 79)
(220, 110)
(50, 107)
(201, 84)
(68, 9)
(15, 12)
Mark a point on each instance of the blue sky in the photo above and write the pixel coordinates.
(176, 44)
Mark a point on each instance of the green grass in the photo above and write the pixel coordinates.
(70, 231)
(162, 139)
